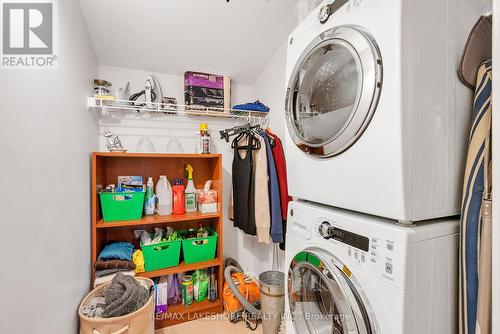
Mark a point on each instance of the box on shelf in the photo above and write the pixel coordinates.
(199, 249)
(121, 206)
(162, 255)
(207, 199)
(207, 90)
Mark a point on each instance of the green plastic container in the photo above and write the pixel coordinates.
(199, 249)
(122, 206)
(161, 255)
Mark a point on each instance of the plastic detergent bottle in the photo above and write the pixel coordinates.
(164, 196)
(190, 192)
(149, 202)
(178, 195)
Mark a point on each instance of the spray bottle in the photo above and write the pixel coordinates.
(190, 192)
(149, 203)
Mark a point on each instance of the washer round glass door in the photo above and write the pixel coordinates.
(321, 299)
(334, 91)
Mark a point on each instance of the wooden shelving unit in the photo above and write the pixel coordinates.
(106, 167)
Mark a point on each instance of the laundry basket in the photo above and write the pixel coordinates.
(138, 322)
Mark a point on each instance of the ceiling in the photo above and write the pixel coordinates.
(172, 36)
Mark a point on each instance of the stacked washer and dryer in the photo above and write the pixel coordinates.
(377, 125)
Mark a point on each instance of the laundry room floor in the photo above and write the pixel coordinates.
(206, 326)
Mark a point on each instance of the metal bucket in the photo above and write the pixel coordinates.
(272, 300)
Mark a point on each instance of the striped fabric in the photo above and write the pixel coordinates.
(477, 188)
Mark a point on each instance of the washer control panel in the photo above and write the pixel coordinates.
(373, 252)
(328, 231)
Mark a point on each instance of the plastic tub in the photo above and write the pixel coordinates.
(162, 255)
(199, 249)
(122, 206)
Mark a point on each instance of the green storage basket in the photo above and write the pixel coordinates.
(196, 250)
(161, 255)
(122, 206)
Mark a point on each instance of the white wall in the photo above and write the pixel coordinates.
(177, 134)
(46, 135)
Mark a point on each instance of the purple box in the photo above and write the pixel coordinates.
(206, 90)
(204, 80)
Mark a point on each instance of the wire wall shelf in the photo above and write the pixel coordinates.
(110, 106)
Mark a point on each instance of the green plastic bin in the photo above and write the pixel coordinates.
(196, 249)
(122, 206)
(161, 255)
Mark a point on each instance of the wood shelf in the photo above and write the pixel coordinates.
(179, 313)
(182, 267)
(157, 219)
(193, 308)
(107, 167)
(157, 155)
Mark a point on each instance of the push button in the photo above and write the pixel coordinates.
(363, 259)
(388, 268)
(390, 246)
(349, 252)
(356, 255)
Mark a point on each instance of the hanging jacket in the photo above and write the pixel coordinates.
(280, 162)
(261, 179)
(274, 195)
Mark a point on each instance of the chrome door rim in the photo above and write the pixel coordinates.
(358, 308)
(370, 62)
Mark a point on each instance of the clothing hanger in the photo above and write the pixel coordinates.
(255, 142)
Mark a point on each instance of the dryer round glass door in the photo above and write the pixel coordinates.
(334, 91)
(321, 299)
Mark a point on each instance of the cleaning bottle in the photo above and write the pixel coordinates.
(164, 196)
(199, 134)
(190, 192)
(149, 202)
(178, 194)
(205, 140)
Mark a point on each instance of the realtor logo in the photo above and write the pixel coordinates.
(28, 35)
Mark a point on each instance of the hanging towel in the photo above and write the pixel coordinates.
(475, 236)
(261, 179)
(274, 195)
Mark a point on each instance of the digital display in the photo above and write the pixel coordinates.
(351, 239)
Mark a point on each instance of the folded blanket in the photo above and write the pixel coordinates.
(124, 296)
(114, 264)
(107, 272)
(117, 251)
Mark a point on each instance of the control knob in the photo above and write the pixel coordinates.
(326, 230)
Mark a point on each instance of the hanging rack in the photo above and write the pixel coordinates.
(110, 105)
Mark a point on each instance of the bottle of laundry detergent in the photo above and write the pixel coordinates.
(164, 196)
(190, 192)
(150, 201)
(178, 196)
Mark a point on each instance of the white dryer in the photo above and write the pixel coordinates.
(357, 274)
(376, 117)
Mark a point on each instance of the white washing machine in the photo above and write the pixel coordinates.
(357, 274)
(377, 120)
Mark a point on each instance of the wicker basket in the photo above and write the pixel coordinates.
(138, 322)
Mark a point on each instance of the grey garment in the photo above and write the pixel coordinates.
(94, 308)
(124, 296)
(105, 272)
